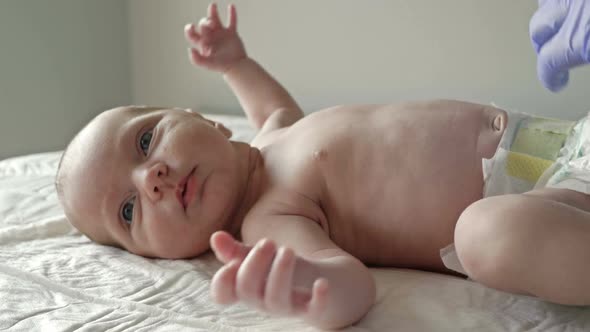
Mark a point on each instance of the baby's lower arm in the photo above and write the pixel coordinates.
(351, 291)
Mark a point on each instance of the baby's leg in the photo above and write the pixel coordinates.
(535, 243)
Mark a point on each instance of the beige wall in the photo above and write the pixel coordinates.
(346, 51)
(61, 62)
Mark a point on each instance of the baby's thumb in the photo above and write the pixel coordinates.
(226, 248)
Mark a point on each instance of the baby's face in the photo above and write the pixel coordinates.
(157, 182)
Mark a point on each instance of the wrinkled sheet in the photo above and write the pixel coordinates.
(54, 279)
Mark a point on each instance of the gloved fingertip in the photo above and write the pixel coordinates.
(536, 46)
(556, 82)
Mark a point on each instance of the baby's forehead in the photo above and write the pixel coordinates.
(120, 115)
(98, 139)
(111, 122)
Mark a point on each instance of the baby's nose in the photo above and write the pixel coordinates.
(156, 181)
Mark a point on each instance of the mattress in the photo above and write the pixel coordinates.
(52, 278)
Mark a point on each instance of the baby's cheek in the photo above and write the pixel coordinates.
(175, 236)
(168, 243)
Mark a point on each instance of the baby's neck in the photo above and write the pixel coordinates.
(251, 186)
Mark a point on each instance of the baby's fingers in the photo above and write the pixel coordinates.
(213, 15)
(225, 247)
(319, 299)
(205, 28)
(277, 294)
(191, 34)
(223, 285)
(233, 17)
(252, 276)
(196, 57)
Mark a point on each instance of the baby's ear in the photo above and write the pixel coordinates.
(223, 129)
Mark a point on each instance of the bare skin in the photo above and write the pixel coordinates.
(344, 187)
(297, 216)
(381, 180)
(387, 185)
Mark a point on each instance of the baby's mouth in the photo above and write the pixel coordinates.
(185, 189)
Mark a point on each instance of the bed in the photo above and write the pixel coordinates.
(54, 279)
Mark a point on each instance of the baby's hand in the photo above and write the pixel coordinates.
(264, 276)
(215, 47)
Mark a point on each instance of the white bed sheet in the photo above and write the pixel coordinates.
(54, 279)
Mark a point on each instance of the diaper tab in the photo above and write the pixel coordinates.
(450, 259)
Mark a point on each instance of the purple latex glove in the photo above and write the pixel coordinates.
(560, 33)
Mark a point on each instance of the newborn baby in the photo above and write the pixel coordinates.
(297, 214)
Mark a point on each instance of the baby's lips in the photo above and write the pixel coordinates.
(179, 198)
(181, 187)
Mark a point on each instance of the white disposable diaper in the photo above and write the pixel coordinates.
(571, 170)
(529, 147)
(534, 152)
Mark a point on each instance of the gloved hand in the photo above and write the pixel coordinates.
(560, 33)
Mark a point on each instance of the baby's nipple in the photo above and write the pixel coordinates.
(319, 154)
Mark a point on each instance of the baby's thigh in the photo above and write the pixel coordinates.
(566, 196)
(538, 213)
(515, 242)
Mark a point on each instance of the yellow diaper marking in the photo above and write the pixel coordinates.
(526, 167)
(535, 147)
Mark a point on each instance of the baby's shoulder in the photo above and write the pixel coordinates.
(275, 124)
(266, 138)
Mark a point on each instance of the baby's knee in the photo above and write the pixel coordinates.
(483, 237)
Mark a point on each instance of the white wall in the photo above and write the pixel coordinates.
(345, 51)
(61, 62)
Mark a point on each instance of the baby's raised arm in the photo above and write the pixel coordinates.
(220, 48)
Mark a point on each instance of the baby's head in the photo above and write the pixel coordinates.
(156, 182)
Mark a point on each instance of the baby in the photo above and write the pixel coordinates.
(296, 214)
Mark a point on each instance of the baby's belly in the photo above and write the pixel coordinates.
(403, 219)
(398, 199)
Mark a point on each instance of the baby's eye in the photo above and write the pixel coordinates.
(127, 210)
(145, 140)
